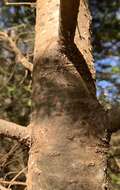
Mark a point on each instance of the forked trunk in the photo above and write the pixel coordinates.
(69, 143)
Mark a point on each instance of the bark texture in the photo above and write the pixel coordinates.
(83, 35)
(15, 131)
(69, 138)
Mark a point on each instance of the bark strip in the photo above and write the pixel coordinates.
(83, 38)
(72, 15)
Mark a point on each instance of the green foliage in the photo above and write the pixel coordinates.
(116, 70)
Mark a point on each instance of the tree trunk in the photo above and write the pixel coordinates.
(69, 137)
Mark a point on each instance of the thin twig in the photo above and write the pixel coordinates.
(6, 157)
(20, 58)
(20, 3)
(25, 76)
(3, 188)
(10, 77)
(8, 174)
(12, 181)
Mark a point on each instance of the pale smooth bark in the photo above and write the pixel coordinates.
(69, 136)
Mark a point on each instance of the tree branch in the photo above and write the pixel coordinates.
(20, 3)
(14, 131)
(13, 48)
(14, 183)
(4, 159)
(18, 174)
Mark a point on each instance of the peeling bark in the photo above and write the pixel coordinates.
(83, 35)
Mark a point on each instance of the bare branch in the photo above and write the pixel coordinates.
(4, 159)
(14, 183)
(19, 3)
(12, 130)
(20, 58)
(3, 188)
